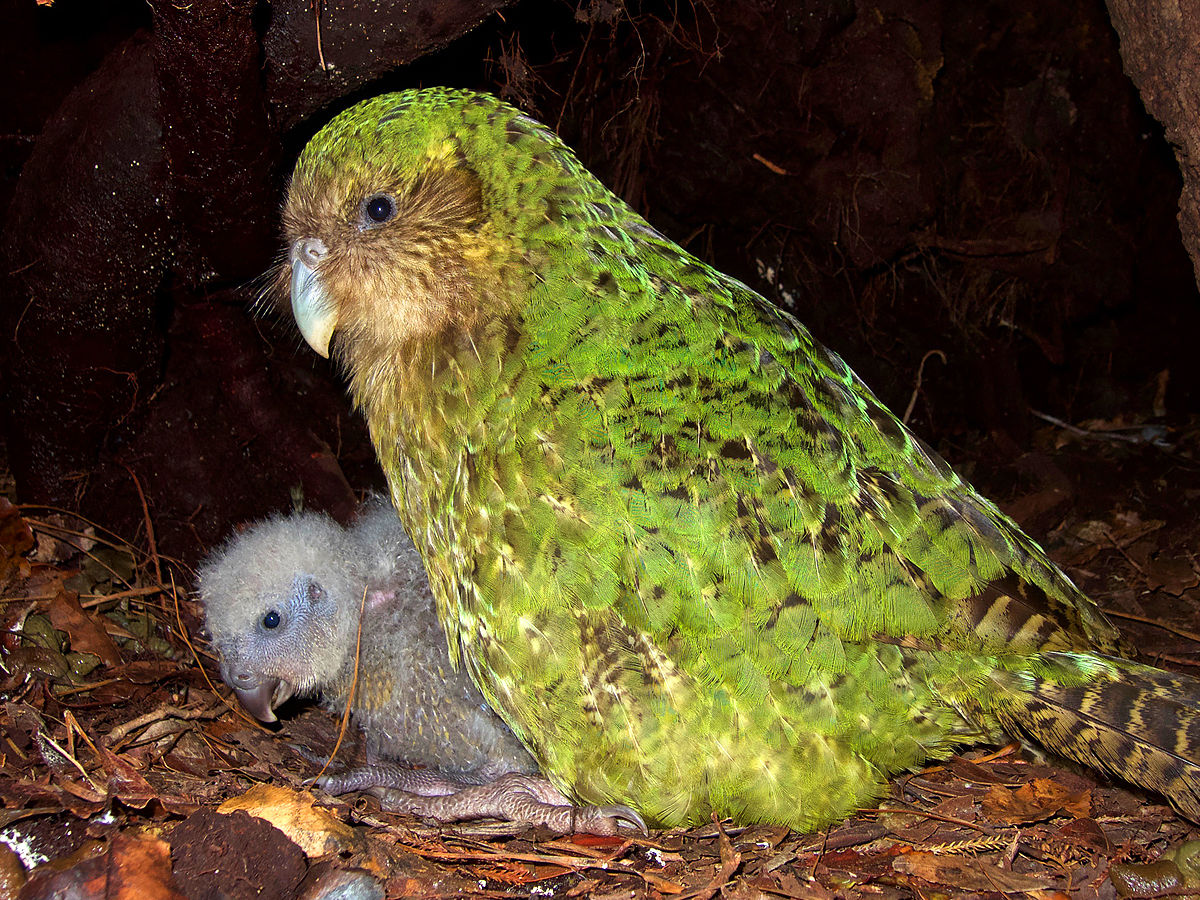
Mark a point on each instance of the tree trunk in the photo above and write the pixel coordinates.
(1160, 46)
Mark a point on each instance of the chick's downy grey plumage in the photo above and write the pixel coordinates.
(282, 603)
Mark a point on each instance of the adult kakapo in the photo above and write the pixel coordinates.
(680, 546)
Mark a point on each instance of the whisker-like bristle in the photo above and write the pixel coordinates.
(271, 287)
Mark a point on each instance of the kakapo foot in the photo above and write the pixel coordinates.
(526, 799)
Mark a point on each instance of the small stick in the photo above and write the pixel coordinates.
(90, 600)
(90, 686)
(1178, 660)
(316, 8)
(73, 761)
(574, 863)
(62, 510)
(1129, 559)
(73, 724)
(1182, 632)
(912, 401)
(777, 169)
(164, 711)
(149, 525)
(1083, 432)
(353, 688)
(928, 815)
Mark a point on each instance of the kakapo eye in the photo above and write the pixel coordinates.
(377, 209)
(271, 620)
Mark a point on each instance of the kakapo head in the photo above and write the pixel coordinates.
(281, 604)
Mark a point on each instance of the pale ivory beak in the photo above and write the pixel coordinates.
(315, 313)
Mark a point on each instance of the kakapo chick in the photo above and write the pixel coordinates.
(282, 606)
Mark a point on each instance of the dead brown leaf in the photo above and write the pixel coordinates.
(967, 874)
(1085, 833)
(191, 755)
(787, 884)
(1035, 801)
(314, 830)
(971, 771)
(85, 880)
(125, 782)
(139, 868)
(86, 634)
(15, 539)
(1173, 574)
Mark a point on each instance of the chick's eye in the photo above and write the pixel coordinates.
(379, 209)
(271, 620)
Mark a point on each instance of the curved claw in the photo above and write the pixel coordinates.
(625, 814)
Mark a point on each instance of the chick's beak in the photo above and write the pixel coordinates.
(259, 700)
(259, 694)
(315, 313)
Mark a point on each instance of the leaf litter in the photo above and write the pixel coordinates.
(125, 765)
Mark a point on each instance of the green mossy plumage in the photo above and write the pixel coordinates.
(681, 547)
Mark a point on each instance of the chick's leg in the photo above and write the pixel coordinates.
(525, 799)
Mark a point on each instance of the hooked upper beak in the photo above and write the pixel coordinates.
(257, 694)
(315, 313)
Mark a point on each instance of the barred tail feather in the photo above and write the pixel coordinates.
(1136, 722)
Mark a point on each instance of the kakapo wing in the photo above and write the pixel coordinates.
(726, 430)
